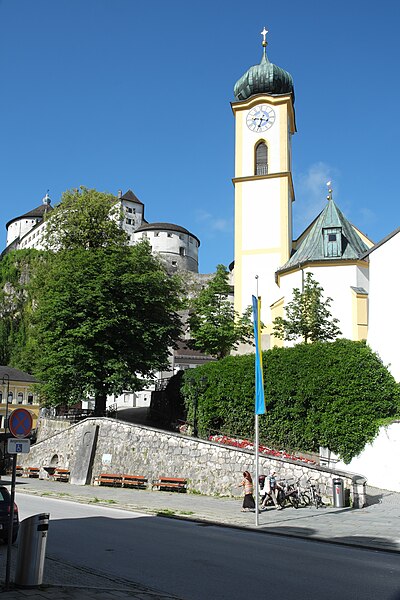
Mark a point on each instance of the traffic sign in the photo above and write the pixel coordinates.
(17, 446)
(20, 422)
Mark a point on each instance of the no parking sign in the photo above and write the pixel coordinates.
(20, 422)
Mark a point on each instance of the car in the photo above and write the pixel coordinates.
(5, 508)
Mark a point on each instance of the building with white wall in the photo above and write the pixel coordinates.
(175, 245)
(358, 275)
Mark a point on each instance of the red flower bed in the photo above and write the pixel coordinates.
(247, 445)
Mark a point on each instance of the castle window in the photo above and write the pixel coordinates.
(261, 159)
(169, 234)
(129, 221)
(332, 242)
(156, 233)
(182, 251)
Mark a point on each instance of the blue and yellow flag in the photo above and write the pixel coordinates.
(260, 400)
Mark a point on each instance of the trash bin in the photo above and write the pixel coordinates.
(31, 550)
(338, 492)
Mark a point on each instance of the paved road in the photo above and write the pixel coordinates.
(198, 561)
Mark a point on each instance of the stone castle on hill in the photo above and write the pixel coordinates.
(178, 248)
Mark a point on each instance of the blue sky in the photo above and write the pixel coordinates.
(118, 94)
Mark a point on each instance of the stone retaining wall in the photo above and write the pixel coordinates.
(211, 469)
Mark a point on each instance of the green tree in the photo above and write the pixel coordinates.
(15, 308)
(85, 218)
(104, 319)
(308, 316)
(215, 327)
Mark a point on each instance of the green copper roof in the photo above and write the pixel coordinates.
(347, 244)
(265, 78)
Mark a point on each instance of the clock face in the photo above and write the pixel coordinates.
(260, 118)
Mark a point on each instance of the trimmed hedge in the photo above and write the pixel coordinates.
(333, 394)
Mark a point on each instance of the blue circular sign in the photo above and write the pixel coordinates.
(20, 422)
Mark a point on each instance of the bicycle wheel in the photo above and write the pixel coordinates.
(294, 501)
(305, 499)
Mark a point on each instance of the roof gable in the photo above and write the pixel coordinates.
(129, 195)
(311, 248)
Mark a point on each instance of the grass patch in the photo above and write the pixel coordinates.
(165, 512)
(186, 512)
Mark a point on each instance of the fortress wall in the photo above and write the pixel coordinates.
(211, 469)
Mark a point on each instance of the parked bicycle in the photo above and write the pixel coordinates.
(315, 496)
(295, 495)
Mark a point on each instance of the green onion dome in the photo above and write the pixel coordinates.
(265, 78)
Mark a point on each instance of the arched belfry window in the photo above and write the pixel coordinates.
(261, 159)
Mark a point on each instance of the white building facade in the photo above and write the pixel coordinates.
(175, 245)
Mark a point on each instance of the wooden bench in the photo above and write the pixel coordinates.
(112, 479)
(135, 481)
(32, 471)
(170, 484)
(61, 475)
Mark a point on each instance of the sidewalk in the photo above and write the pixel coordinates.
(371, 527)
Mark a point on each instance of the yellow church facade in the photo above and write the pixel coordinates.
(268, 262)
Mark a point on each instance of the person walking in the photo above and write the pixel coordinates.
(248, 500)
(272, 488)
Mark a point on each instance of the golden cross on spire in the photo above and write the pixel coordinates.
(264, 34)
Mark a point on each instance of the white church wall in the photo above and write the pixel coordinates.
(336, 282)
(384, 324)
(256, 229)
(379, 461)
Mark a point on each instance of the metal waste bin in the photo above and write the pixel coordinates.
(338, 492)
(31, 550)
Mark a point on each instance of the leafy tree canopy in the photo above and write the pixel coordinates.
(215, 327)
(334, 394)
(15, 309)
(85, 218)
(104, 317)
(308, 316)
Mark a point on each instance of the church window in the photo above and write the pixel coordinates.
(10, 397)
(20, 397)
(261, 159)
(30, 398)
(332, 241)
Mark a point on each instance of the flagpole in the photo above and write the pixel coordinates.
(256, 443)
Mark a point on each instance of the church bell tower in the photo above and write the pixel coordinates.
(264, 125)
